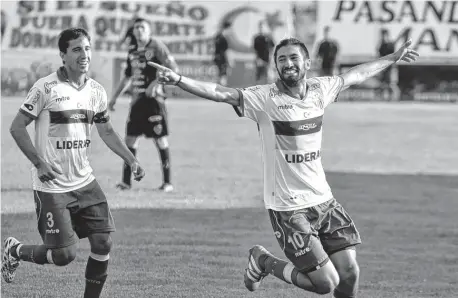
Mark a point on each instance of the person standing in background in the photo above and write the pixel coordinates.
(327, 54)
(220, 55)
(388, 78)
(263, 46)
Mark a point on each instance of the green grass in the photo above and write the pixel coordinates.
(392, 166)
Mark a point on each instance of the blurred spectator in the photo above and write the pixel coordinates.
(327, 54)
(388, 78)
(220, 56)
(4, 23)
(263, 45)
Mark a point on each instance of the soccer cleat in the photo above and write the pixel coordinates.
(254, 273)
(9, 263)
(166, 187)
(123, 186)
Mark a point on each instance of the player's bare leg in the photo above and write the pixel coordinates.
(132, 144)
(348, 269)
(15, 252)
(321, 281)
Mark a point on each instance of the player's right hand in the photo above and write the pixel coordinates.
(111, 105)
(47, 172)
(138, 171)
(165, 75)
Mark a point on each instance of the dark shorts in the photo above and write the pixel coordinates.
(308, 236)
(65, 217)
(262, 72)
(147, 117)
(222, 65)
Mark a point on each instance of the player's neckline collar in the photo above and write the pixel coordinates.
(62, 75)
(281, 87)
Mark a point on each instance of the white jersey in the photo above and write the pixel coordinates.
(291, 131)
(64, 116)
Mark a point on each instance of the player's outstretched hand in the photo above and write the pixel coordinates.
(47, 172)
(165, 75)
(406, 53)
(138, 171)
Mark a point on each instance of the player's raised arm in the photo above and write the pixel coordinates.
(362, 72)
(206, 90)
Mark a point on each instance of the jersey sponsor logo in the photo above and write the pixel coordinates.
(33, 96)
(49, 85)
(285, 107)
(63, 98)
(78, 116)
(137, 83)
(301, 252)
(299, 127)
(28, 106)
(76, 144)
(155, 118)
(307, 126)
(302, 157)
(71, 116)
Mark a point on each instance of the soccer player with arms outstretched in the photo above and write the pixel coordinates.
(148, 113)
(69, 202)
(313, 229)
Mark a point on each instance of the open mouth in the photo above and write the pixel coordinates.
(290, 71)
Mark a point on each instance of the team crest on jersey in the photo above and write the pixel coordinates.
(149, 55)
(157, 128)
(49, 85)
(274, 92)
(96, 85)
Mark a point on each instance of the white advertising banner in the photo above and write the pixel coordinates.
(357, 25)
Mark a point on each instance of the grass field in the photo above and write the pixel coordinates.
(393, 166)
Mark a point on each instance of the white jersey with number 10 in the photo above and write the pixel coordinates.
(291, 132)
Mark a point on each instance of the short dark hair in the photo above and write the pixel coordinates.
(291, 42)
(71, 34)
(140, 20)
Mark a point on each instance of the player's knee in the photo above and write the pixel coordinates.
(163, 143)
(101, 244)
(350, 273)
(327, 284)
(64, 256)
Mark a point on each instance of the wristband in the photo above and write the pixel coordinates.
(179, 80)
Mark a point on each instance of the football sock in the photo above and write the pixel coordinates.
(338, 294)
(30, 253)
(165, 161)
(96, 275)
(127, 171)
(280, 269)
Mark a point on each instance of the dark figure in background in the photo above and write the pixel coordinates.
(220, 56)
(327, 54)
(263, 46)
(148, 113)
(388, 80)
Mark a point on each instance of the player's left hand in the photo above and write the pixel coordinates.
(406, 53)
(138, 171)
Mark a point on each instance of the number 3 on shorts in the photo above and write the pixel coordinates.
(296, 240)
(50, 219)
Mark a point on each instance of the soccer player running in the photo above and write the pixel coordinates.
(315, 232)
(69, 202)
(148, 113)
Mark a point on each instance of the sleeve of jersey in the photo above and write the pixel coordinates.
(164, 56)
(331, 87)
(252, 100)
(34, 102)
(102, 115)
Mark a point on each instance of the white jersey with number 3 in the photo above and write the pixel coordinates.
(291, 132)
